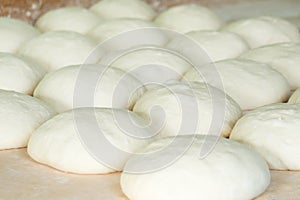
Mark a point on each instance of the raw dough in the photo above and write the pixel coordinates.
(273, 131)
(20, 115)
(251, 84)
(295, 98)
(230, 172)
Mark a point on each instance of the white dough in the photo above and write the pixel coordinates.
(56, 49)
(112, 9)
(13, 33)
(188, 17)
(58, 143)
(191, 102)
(284, 58)
(20, 115)
(113, 88)
(230, 172)
(295, 98)
(273, 131)
(264, 30)
(76, 19)
(251, 84)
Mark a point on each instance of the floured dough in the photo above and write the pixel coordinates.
(264, 30)
(13, 33)
(20, 115)
(295, 98)
(230, 172)
(251, 84)
(58, 143)
(56, 49)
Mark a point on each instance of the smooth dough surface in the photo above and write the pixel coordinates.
(273, 131)
(251, 84)
(295, 98)
(264, 30)
(20, 115)
(230, 172)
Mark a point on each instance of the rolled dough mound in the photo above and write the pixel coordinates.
(273, 131)
(76, 19)
(295, 98)
(13, 33)
(230, 172)
(56, 49)
(251, 84)
(58, 143)
(264, 30)
(20, 115)
(112, 9)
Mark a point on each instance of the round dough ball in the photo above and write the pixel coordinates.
(273, 131)
(114, 89)
(20, 115)
(13, 33)
(264, 31)
(230, 172)
(188, 17)
(19, 74)
(282, 57)
(75, 19)
(56, 49)
(57, 142)
(178, 100)
(295, 98)
(251, 84)
(112, 9)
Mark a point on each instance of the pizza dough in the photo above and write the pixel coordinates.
(188, 109)
(264, 30)
(188, 17)
(273, 131)
(19, 74)
(251, 84)
(76, 19)
(20, 115)
(58, 142)
(13, 33)
(230, 172)
(114, 88)
(57, 49)
(282, 57)
(295, 98)
(112, 9)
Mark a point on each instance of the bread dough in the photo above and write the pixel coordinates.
(251, 84)
(295, 98)
(20, 115)
(192, 102)
(273, 131)
(57, 142)
(114, 88)
(230, 172)
(282, 57)
(57, 49)
(112, 9)
(264, 30)
(13, 33)
(188, 17)
(19, 74)
(76, 19)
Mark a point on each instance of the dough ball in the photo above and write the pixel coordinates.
(75, 19)
(264, 31)
(56, 49)
(230, 172)
(251, 84)
(114, 88)
(19, 74)
(188, 17)
(188, 109)
(295, 98)
(282, 57)
(13, 33)
(57, 142)
(273, 131)
(20, 115)
(112, 9)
